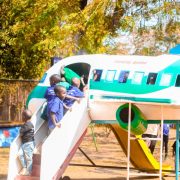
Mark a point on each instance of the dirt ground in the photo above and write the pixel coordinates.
(105, 160)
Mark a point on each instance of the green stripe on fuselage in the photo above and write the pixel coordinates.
(124, 87)
(138, 99)
(37, 92)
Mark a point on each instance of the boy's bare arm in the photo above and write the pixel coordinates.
(66, 107)
(85, 88)
(82, 80)
(53, 117)
(74, 98)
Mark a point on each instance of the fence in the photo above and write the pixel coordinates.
(13, 95)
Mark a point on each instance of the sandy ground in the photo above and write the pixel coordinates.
(107, 153)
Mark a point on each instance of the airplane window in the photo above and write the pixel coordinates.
(137, 79)
(165, 80)
(110, 75)
(178, 81)
(123, 76)
(151, 78)
(97, 74)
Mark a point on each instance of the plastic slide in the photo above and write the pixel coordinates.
(140, 155)
(63, 142)
(55, 150)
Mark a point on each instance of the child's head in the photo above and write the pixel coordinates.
(76, 82)
(26, 115)
(54, 79)
(60, 91)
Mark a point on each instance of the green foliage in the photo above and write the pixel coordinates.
(28, 35)
(159, 27)
(31, 31)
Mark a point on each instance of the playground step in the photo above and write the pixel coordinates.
(36, 165)
(26, 178)
(36, 170)
(36, 159)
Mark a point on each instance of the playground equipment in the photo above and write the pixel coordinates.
(124, 91)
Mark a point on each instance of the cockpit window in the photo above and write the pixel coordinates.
(123, 76)
(110, 75)
(151, 78)
(97, 74)
(178, 81)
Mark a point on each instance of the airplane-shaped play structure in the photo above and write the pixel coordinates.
(126, 92)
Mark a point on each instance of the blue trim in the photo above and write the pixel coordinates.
(175, 50)
(43, 78)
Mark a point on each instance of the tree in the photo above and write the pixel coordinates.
(158, 28)
(34, 31)
(29, 34)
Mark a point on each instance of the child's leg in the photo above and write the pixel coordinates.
(166, 146)
(174, 148)
(21, 156)
(152, 144)
(28, 151)
(50, 131)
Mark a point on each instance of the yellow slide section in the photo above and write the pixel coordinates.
(140, 155)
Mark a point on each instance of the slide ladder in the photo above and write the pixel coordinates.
(137, 151)
(139, 154)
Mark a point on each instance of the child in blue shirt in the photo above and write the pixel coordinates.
(55, 108)
(50, 94)
(74, 91)
(55, 79)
